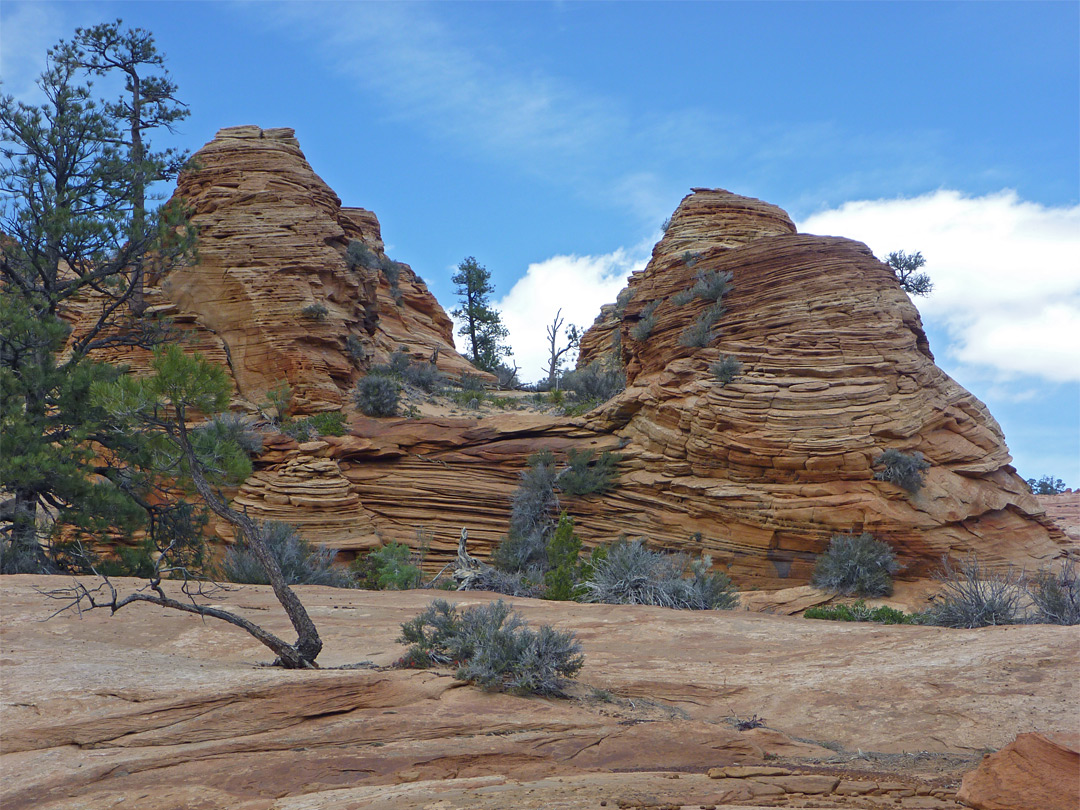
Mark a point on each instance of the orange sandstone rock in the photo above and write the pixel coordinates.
(1033, 772)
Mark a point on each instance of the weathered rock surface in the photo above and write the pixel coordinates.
(835, 369)
(1031, 773)
(759, 473)
(272, 241)
(157, 709)
(1064, 510)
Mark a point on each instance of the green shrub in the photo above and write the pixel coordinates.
(492, 647)
(390, 269)
(315, 312)
(300, 562)
(859, 612)
(1047, 485)
(377, 395)
(691, 258)
(906, 471)
(631, 574)
(726, 369)
(389, 568)
(306, 428)
(328, 423)
(564, 570)
(586, 474)
(641, 330)
(973, 596)
(1055, 596)
(856, 565)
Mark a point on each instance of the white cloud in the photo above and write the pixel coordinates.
(1006, 274)
(580, 285)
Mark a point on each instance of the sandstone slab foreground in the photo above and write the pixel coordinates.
(155, 710)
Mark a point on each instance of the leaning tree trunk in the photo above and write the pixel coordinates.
(303, 653)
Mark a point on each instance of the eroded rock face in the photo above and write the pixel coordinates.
(835, 370)
(759, 472)
(272, 243)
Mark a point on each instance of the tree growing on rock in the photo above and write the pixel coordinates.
(149, 101)
(907, 271)
(482, 326)
(68, 220)
(159, 409)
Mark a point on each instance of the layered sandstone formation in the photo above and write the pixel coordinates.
(159, 710)
(271, 260)
(760, 472)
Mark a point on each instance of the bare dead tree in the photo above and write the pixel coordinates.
(555, 353)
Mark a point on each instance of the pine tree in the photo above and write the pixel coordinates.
(906, 269)
(149, 102)
(68, 233)
(482, 325)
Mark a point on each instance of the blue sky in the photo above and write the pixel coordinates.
(549, 140)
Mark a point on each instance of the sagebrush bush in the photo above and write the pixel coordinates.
(19, 560)
(682, 297)
(641, 330)
(975, 596)
(726, 369)
(532, 515)
(526, 583)
(711, 285)
(300, 562)
(697, 335)
(622, 300)
(856, 565)
(389, 568)
(587, 475)
(424, 376)
(377, 395)
(316, 312)
(360, 255)
(492, 647)
(631, 574)
(233, 428)
(1055, 595)
(906, 471)
(355, 348)
(595, 382)
(472, 382)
